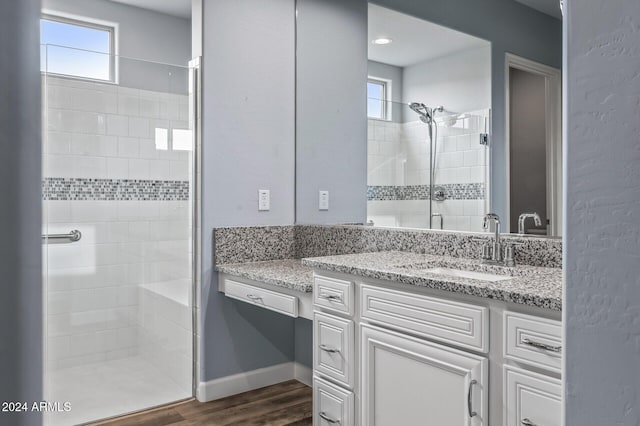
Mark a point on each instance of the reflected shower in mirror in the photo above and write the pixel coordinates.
(428, 107)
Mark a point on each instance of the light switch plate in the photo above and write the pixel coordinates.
(264, 199)
(323, 200)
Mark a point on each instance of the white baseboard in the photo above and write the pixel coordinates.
(303, 374)
(250, 380)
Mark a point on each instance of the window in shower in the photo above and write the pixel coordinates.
(78, 48)
(378, 95)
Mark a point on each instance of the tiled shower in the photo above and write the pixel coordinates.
(399, 174)
(117, 166)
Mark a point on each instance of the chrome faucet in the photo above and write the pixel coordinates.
(524, 216)
(496, 252)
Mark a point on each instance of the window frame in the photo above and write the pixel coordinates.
(386, 97)
(91, 23)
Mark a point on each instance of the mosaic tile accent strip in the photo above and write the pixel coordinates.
(87, 189)
(454, 191)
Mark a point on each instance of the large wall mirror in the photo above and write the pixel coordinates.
(428, 111)
(429, 119)
(429, 131)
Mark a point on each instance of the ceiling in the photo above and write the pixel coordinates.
(550, 7)
(414, 40)
(179, 8)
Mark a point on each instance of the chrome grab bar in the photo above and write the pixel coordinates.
(542, 346)
(72, 236)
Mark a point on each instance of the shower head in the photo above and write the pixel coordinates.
(425, 113)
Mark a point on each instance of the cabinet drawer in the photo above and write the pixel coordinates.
(333, 294)
(447, 321)
(531, 399)
(333, 351)
(282, 303)
(331, 404)
(533, 340)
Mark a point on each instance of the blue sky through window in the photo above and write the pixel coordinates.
(375, 97)
(79, 56)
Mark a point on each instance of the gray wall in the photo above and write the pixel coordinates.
(602, 235)
(143, 35)
(461, 82)
(20, 210)
(510, 27)
(528, 146)
(248, 144)
(393, 73)
(331, 115)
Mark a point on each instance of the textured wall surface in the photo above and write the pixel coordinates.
(20, 247)
(602, 239)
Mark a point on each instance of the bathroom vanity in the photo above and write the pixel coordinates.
(400, 337)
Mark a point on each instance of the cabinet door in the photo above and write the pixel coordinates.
(408, 381)
(531, 399)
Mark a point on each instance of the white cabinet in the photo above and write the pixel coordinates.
(332, 405)
(531, 399)
(333, 350)
(388, 354)
(409, 381)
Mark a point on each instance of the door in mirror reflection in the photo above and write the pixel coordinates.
(534, 148)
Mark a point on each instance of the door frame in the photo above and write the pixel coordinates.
(553, 142)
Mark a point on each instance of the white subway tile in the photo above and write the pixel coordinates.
(117, 168)
(117, 125)
(128, 104)
(128, 147)
(96, 145)
(139, 127)
(139, 169)
(57, 143)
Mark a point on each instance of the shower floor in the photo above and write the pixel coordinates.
(111, 388)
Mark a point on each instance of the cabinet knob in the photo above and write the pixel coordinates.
(527, 422)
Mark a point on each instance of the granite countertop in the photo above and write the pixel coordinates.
(528, 285)
(287, 273)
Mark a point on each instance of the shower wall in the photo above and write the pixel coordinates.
(399, 172)
(117, 168)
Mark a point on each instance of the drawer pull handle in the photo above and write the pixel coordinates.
(543, 346)
(527, 422)
(330, 297)
(254, 298)
(469, 397)
(331, 420)
(329, 349)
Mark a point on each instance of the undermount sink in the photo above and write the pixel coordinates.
(459, 273)
(482, 276)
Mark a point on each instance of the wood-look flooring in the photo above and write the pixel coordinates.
(284, 404)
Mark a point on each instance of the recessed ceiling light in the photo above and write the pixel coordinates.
(382, 41)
